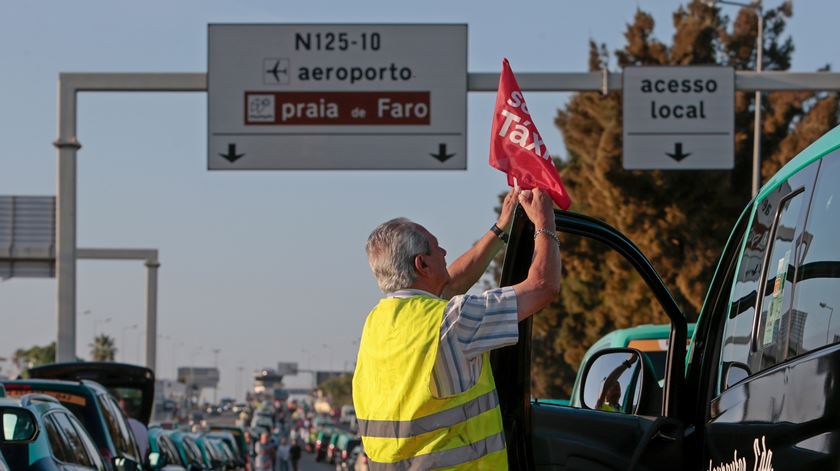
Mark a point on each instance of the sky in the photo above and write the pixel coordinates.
(266, 266)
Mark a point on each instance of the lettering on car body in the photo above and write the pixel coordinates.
(763, 459)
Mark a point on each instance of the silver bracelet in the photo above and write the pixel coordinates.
(549, 233)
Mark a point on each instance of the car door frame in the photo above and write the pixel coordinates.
(514, 362)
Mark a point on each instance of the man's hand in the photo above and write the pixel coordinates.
(539, 208)
(506, 213)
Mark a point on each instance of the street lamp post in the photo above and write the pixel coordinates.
(329, 347)
(759, 49)
(216, 365)
(124, 344)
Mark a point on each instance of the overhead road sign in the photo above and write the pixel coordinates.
(679, 117)
(198, 376)
(337, 97)
(27, 236)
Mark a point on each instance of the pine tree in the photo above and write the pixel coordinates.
(679, 219)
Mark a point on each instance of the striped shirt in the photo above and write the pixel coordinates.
(472, 324)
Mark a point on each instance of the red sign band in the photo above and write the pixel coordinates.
(338, 108)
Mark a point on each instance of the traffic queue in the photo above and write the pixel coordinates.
(96, 416)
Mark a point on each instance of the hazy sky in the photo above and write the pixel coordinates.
(266, 266)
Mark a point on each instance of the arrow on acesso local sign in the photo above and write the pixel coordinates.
(678, 152)
(231, 155)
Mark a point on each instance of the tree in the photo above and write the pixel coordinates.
(339, 390)
(679, 219)
(33, 356)
(103, 348)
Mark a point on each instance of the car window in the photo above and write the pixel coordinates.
(775, 319)
(168, 448)
(817, 293)
(59, 451)
(116, 427)
(76, 449)
(768, 250)
(582, 313)
(192, 451)
(88, 443)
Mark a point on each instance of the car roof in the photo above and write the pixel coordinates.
(40, 406)
(58, 385)
(822, 146)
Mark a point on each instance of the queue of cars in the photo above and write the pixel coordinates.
(336, 445)
(95, 416)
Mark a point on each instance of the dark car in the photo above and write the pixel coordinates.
(97, 410)
(758, 388)
(39, 434)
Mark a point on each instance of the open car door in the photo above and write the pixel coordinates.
(132, 383)
(545, 435)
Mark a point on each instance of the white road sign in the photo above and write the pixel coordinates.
(333, 96)
(679, 117)
(27, 236)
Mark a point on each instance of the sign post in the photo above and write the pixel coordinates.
(679, 118)
(319, 96)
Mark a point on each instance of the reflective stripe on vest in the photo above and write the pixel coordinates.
(447, 418)
(442, 459)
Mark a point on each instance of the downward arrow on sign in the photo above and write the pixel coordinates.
(678, 152)
(231, 155)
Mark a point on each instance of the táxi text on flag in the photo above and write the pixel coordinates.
(516, 147)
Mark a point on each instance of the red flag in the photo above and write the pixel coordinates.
(516, 147)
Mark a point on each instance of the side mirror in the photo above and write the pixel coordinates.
(19, 425)
(613, 380)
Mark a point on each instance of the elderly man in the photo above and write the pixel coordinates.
(423, 389)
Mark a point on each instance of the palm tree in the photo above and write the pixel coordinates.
(102, 348)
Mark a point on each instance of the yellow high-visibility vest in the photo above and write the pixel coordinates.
(403, 426)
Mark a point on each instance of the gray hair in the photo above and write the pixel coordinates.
(391, 249)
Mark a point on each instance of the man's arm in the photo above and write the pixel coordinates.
(468, 268)
(543, 281)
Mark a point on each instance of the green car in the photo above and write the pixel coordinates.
(650, 339)
(227, 441)
(188, 450)
(238, 443)
(64, 444)
(163, 453)
(210, 453)
(756, 389)
(98, 412)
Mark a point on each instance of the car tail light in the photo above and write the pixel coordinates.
(16, 387)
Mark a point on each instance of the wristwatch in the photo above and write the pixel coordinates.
(499, 233)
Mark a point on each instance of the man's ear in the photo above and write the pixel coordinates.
(419, 264)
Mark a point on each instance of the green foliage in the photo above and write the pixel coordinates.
(339, 390)
(679, 219)
(103, 348)
(34, 356)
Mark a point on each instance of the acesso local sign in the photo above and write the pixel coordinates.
(333, 96)
(679, 117)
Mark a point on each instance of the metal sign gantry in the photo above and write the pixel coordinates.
(70, 84)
